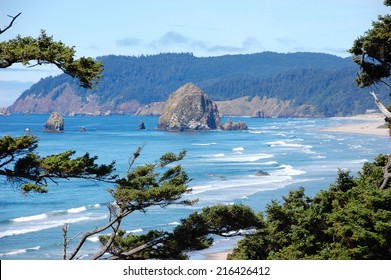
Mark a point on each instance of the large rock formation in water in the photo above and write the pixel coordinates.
(189, 108)
(55, 123)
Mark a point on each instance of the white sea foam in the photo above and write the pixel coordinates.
(47, 225)
(288, 170)
(242, 157)
(54, 213)
(174, 223)
(20, 251)
(200, 189)
(30, 218)
(204, 144)
(319, 157)
(77, 210)
(219, 155)
(295, 146)
(136, 230)
(93, 239)
(238, 149)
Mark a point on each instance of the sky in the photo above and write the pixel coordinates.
(202, 27)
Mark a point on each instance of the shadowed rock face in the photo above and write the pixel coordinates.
(230, 125)
(189, 108)
(55, 123)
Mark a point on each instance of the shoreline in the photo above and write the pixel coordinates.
(218, 255)
(370, 124)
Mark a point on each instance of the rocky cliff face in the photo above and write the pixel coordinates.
(265, 107)
(63, 99)
(4, 112)
(55, 123)
(189, 108)
(230, 125)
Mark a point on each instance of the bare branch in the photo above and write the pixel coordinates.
(136, 154)
(387, 174)
(140, 248)
(117, 219)
(381, 107)
(9, 25)
(65, 242)
(109, 242)
(65, 229)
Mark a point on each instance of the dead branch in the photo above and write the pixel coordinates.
(65, 229)
(381, 107)
(115, 220)
(10, 24)
(140, 248)
(115, 229)
(387, 174)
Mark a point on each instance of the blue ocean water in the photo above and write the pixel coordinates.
(222, 165)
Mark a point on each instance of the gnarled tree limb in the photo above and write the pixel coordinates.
(10, 24)
(387, 174)
(381, 107)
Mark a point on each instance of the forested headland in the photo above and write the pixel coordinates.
(325, 82)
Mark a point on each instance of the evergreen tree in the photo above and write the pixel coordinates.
(372, 52)
(24, 167)
(44, 50)
(350, 220)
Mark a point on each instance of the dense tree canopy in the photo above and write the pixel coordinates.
(350, 220)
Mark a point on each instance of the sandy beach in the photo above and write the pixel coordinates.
(372, 124)
(218, 255)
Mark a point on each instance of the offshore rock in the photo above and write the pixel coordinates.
(230, 125)
(262, 173)
(189, 108)
(55, 123)
(141, 125)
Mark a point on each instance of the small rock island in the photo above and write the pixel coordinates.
(55, 123)
(189, 108)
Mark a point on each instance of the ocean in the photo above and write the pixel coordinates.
(222, 165)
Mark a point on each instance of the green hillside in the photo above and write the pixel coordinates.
(322, 80)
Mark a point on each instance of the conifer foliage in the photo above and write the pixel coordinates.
(350, 220)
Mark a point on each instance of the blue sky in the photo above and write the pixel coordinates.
(203, 27)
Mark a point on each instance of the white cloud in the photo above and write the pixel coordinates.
(176, 42)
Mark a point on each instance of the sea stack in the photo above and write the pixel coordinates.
(141, 125)
(189, 108)
(55, 123)
(230, 125)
